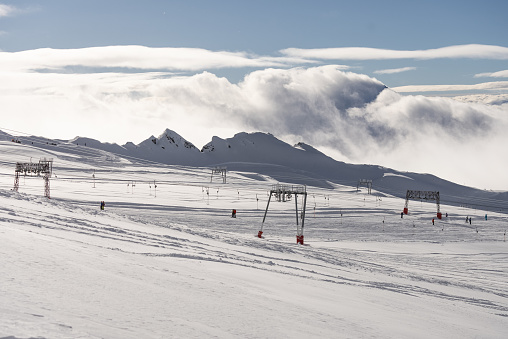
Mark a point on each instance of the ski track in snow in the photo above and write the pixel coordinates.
(352, 240)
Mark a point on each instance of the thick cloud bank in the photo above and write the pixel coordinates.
(357, 119)
(349, 116)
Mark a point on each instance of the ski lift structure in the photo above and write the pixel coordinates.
(44, 167)
(219, 171)
(365, 183)
(284, 193)
(422, 195)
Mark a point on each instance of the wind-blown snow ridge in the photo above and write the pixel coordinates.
(396, 175)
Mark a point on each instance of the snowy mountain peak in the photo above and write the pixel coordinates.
(215, 145)
(169, 137)
(168, 140)
(243, 142)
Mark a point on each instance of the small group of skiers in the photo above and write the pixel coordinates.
(103, 204)
(468, 219)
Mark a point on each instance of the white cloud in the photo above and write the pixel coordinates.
(395, 70)
(138, 57)
(352, 114)
(6, 10)
(500, 74)
(363, 53)
(496, 85)
(488, 99)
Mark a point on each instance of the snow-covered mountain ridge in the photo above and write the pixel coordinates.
(263, 153)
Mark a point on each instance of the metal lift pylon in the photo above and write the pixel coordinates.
(283, 193)
(221, 171)
(44, 167)
(422, 195)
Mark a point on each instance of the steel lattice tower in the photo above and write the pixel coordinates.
(422, 195)
(219, 170)
(44, 167)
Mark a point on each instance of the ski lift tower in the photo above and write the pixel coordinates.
(366, 183)
(219, 170)
(44, 167)
(283, 193)
(422, 195)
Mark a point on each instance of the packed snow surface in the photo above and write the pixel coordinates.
(165, 259)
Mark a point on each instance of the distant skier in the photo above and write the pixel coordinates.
(401, 215)
(432, 221)
(469, 221)
(233, 214)
(103, 204)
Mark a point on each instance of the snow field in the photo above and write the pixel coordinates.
(177, 265)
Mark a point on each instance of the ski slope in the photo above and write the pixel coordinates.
(170, 262)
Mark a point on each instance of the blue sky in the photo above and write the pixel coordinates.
(266, 27)
(311, 71)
